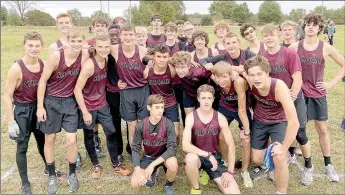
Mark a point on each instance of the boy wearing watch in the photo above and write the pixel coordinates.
(234, 105)
(200, 142)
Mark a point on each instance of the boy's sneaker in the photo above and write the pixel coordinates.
(331, 173)
(52, 184)
(121, 168)
(195, 191)
(169, 190)
(96, 172)
(59, 174)
(258, 172)
(247, 181)
(298, 151)
(307, 176)
(99, 153)
(73, 183)
(203, 178)
(271, 175)
(26, 189)
(291, 159)
(79, 162)
(152, 182)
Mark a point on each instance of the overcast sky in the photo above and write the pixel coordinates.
(116, 8)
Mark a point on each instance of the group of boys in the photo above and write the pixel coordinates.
(144, 78)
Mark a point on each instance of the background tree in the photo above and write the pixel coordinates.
(225, 8)
(4, 15)
(241, 13)
(179, 8)
(296, 14)
(270, 11)
(85, 21)
(13, 18)
(207, 20)
(99, 13)
(39, 18)
(75, 15)
(21, 7)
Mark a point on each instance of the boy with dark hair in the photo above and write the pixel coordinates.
(248, 32)
(156, 36)
(180, 31)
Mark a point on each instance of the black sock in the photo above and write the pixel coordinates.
(292, 150)
(327, 160)
(51, 168)
(169, 183)
(72, 168)
(307, 162)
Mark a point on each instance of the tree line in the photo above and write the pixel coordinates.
(23, 13)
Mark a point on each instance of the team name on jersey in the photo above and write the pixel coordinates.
(61, 75)
(159, 82)
(313, 59)
(267, 102)
(231, 98)
(194, 79)
(278, 69)
(155, 143)
(201, 132)
(100, 77)
(31, 83)
(124, 65)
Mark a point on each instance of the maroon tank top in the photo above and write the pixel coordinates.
(27, 89)
(229, 100)
(220, 51)
(267, 108)
(313, 67)
(197, 77)
(155, 144)
(59, 43)
(206, 136)
(94, 89)
(262, 48)
(130, 70)
(151, 42)
(62, 81)
(209, 55)
(233, 62)
(162, 84)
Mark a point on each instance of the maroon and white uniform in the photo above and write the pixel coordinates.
(152, 40)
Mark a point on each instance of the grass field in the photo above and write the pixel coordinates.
(110, 183)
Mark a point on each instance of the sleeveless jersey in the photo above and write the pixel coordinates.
(313, 66)
(267, 108)
(233, 62)
(62, 81)
(94, 89)
(151, 42)
(59, 43)
(209, 55)
(221, 51)
(162, 84)
(155, 144)
(173, 49)
(229, 100)
(27, 89)
(206, 136)
(262, 48)
(130, 70)
(197, 77)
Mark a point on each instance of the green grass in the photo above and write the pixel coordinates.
(11, 50)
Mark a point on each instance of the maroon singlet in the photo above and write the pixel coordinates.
(206, 136)
(267, 108)
(283, 64)
(130, 70)
(229, 100)
(27, 89)
(313, 67)
(155, 144)
(173, 49)
(220, 51)
(209, 55)
(94, 89)
(62, 81)
(232, 62)
(197, 77)
(59, 43)
(151, 42)
(162, 84)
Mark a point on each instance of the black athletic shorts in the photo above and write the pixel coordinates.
(189, 102)
(25, 116)
(206, 165)
(133, 103)
(230, 116)
(61, 112)
(101, 116)
(317, 108)
(145, 161)
(261, 131)
(301, 110)
(172, 113)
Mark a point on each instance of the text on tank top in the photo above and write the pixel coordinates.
(313, 67)
(220, 51)
(111, 62)
(278, 66)
(206, 136)
(155, 144)
(62, 81)
(229, 99)
(151, 42)
(197, 77)
(162, 84)
(94, 89)
(267, 108)
(209, 55)
(27, 89)
(130, 70)
(234, 62)
(59, 43)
